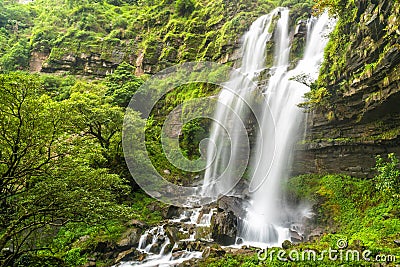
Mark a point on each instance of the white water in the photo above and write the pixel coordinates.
(223, 159)
(196, 217)
(266, 219)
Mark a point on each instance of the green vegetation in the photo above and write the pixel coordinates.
(62, 168)
(365, 213)
(65, 187)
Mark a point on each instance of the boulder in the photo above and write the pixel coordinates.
(127, 255)
(233, 204)
(287, 244)
(172, 212)
(224, 228)
(130, 238)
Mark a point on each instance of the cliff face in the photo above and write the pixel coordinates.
(362, 117)
(150, 36)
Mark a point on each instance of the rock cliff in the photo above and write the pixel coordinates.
(361, 117)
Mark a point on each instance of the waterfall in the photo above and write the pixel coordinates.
(222, 158)
(266, 221)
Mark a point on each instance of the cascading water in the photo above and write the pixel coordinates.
(223, 159)
(266, 220)
(266, 223)
(159, 249)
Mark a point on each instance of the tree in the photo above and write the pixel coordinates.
(17, 57)
(100, 121)
(45, 175)
(122, 84)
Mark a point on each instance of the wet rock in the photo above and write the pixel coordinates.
(295, 237)
(315, 234)
(155, 248)
(185, 220)
(90, 263)
(172, 212)
(172, 233)
(177, 255)
(233, 204)
(217, 252)
(149, 239)
(104, 246)
(130, 238)
(287, 244)
(195, 246)
(127, 255)
(206, 252)
(301, 29)
(168, 248)
(202, 233)
(224, 228)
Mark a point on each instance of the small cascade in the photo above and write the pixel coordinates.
(160, 250)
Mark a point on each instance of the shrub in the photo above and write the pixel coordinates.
(387, 181)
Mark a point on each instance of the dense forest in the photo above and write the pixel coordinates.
(68, 70)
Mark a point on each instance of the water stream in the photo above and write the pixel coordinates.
(268, 219)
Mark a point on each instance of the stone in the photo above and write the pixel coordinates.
(224, 228)
(172, 212)
(287, 244)
(104, 246)
(90, 263)
(137, 223)
(206, 252)
(233, 204)
(130, 238)
(155, 248)
(127, 255)
(295, 237)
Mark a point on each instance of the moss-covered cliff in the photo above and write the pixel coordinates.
(355, 103)
(93, 37)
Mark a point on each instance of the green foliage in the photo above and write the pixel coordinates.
(122, 84)
(46, 167)
(184, 7)
(388, 179)
(317, 98)
(16, 58)
(142, 208)
(192, 133)
(58, 87)
(353, 209)
(74, 258)
(29, 260)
